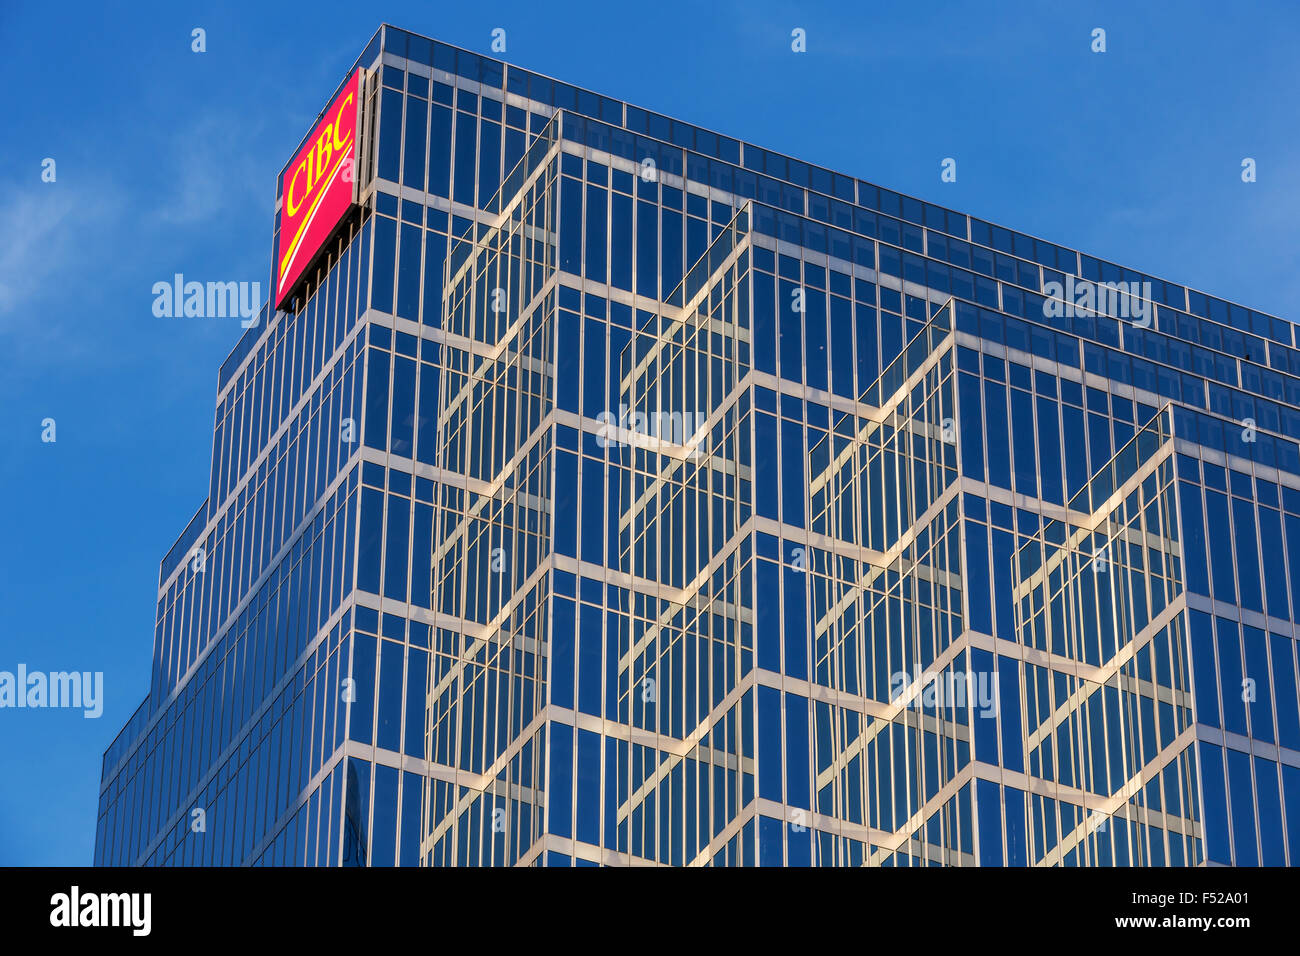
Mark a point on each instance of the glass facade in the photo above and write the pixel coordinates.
(616, 492)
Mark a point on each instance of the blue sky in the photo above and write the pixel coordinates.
(166, 162)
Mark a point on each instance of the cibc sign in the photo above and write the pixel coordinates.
(317, 188)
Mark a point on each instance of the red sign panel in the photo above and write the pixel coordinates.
(317, 189)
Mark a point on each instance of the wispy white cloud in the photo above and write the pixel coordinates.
(65, 233)
(56, 228)
(46, 222)
(211, 167)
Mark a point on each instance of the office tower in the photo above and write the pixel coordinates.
(601, 489)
